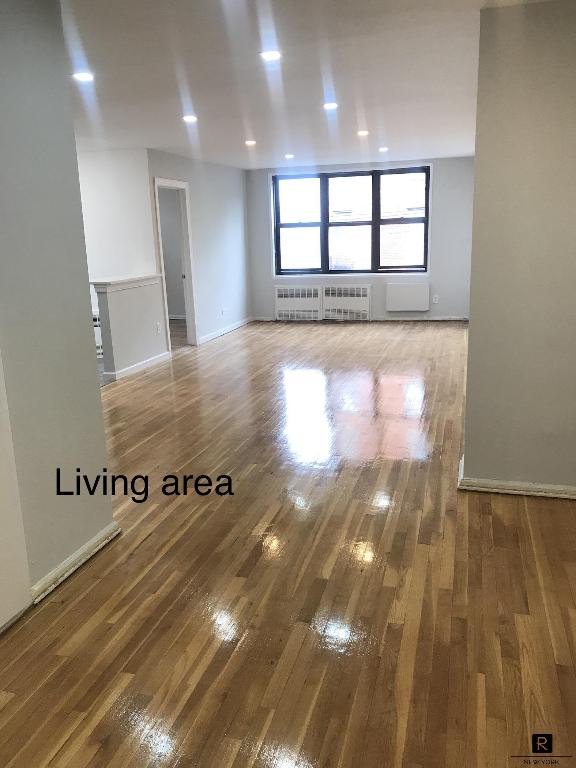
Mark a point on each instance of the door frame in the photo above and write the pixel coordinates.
(187, 256)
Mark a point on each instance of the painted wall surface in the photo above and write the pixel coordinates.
(14, 573)
(521, 409)
(118, 213)
(45, 314)
(132, 326)
(452, 182)
(220, 269)
(172, 246)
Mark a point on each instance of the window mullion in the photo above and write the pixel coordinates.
(324, 209)
(375, 221)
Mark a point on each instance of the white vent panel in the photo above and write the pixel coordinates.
(298, 303)
(408, 297)
(346, 302)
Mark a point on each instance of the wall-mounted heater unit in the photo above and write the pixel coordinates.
(408, 297)
(346, 302)
(299, 303)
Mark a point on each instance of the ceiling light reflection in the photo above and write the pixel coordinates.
(363, 552)
(272, 546)
(337, 635)
(279, 756)
(299, 501)
(225, 626)
(330, 106)
(381, 500)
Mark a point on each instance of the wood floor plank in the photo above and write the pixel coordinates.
(345, 607)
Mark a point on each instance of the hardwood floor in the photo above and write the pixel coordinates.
(345, 608)
(178, 334)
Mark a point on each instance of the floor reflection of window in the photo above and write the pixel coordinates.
(352, 400)
(307, 429)
(401, 406)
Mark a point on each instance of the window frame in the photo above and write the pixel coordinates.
(376, 222)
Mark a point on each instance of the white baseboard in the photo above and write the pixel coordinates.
(123, 372)
(72, 563)
(514, 487)
(176, 317)
(382, 319)
(407, 318)
(223, 331)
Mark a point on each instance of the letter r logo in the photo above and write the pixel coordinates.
(542, 743)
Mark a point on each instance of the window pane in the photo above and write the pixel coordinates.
(299, 200)
(402, 195)
(402, 245)
(300, 247)
(350, 247)
(350, 198)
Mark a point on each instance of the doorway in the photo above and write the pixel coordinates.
(175, 256)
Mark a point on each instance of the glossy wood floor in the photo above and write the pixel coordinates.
(346, 608)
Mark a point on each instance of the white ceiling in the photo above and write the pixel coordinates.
(406, 70)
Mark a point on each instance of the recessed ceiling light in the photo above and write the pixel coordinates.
(271, 55)
(190, 118)
(83, 77)
(289, 157)
(250, 143)
(382, 149)
(330, 105)
(363, 133)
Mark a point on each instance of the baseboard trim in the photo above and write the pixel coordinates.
(5, 627)
(382, 319)
(72, 563)
(516, 488)
(123, 372)
(225, 330)
(410, 319)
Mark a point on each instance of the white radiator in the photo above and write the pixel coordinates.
(407, 297)
(299, 303)
(346, 302)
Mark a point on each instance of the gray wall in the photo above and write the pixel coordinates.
(45, 317)
(521, 408)
(220, 270)
(450, 243)
(133, 326)
(172, 243)
(14, 573)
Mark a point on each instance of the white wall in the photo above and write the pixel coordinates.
(118, 213)
(449, 243)
(220, 270)
(521, 408)
(45, 315)
(172, 246)
(14, 573)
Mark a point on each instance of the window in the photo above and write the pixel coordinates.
(374, 221)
